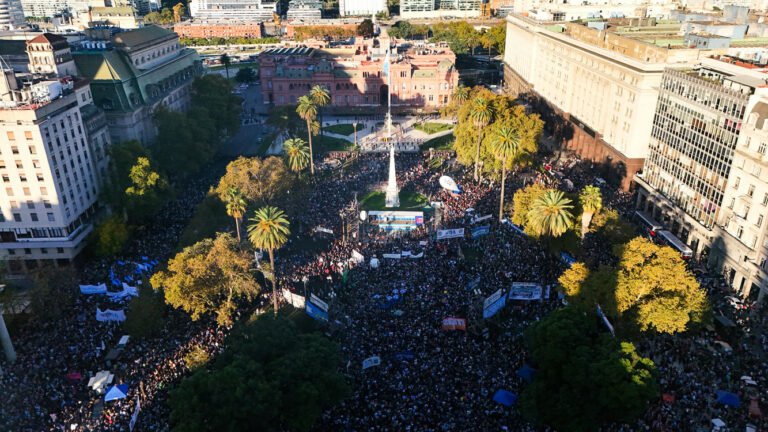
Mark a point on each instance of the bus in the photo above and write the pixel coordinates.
(649, 225)
(669, 239)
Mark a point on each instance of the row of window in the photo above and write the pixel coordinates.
(28, 251)
(33, 217)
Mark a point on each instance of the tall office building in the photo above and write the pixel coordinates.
(236, 10)
(11, 14)
(49, 170)
(441, 8)
(43, 8)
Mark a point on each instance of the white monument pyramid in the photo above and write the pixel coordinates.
(393, 194)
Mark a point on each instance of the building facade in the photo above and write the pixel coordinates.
(441, 8)
(43, 8)
(361, 7)
(135, 71)
(11, 14)
(563, 69)
(50, 185)
(49, 54)
(120, 16)
(226, 30)
(420, 77)
(236, 10)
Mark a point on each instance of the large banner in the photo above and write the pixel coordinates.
(480, 231)
(494, 303)
(477, 219)
(451, 323)
(294, 300)
(450, 233)
(525, 291)
(135, 415)
(567, 259)
(319, 303)
(371, 362)
(315, 312)
(127, 291)
(357, 257)
(110, 315)
(392, 256)
(325, 230)
(93, 289)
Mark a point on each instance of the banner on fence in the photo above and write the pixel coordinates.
(294, 300)
(480, 231)
(391, 256)
(451, 323)
(371, 362)
(319, 303)
(493, 303)
(481, 218)
(93, 289)
(525, 291)
(315, 312)
(450, 233)
(110, 315)
(325, 230)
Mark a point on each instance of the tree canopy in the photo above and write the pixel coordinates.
(261, 181)
(649, 290)
(208, 277)
(586, 377)
(365, 28)
(270, 378)
(505, 114)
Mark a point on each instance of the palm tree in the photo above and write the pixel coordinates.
(236, 207)
(321, 98)
(506, 145)
(591, 202)
(480, 114)
(460, 95)
(550, 213)
(296, 153)
(226, 61)
(269, 230)
(308, 111)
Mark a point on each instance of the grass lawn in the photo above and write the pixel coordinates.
(341, 129)
(325, 144)
(408, 201)
(444, 142)
(432, 128)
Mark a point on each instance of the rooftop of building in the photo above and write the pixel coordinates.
(40, 93)
(137, 39)
(115, 11)
(47, 38)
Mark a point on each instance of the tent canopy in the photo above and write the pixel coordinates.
(504, 397)
(116, 392)
(728, 398)
(526, 372)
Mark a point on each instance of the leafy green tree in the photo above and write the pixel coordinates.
(591, 201)
(147, 191)
(649, 290)
(495, 37)
(196, 358)
(261, 181)
(214, 93)
(307, 110)
(146, 315)
(236, 207)
(586, 378)
(365, 28)
(296, 154)
(52, 292)
(226, 61)
(208, 277)
(182, 145)
(122, 157)
(507, 147)
(286, 119)
(269, 229)
(245, 75)
(522, 201)
(179, 11)
(481, 114)
(271, 378)
(111, 236)
(611, 228)
(550, 213)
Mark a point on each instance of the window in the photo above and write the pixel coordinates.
(9, 191)
(39, 177)
(28, 135)
(36, 163)
(11, 136)
(17, 217)
(2, 164)
(51, 218)
(28, 251)
(759, 222)
(60, 250)
(751, 190)
(6, 178)
(30, 205)
(736, 183)
(19, 165)
(47, 204)
(34, 217)
(44, 250)
(761, 148)
(43, 191)
(14, 150)
(22, 177)
(739, 232)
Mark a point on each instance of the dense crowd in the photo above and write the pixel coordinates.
(429, 379)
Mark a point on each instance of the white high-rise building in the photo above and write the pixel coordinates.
(49, 169)
(361, 7)
(43, 8)
(11, 14)
(236, 10)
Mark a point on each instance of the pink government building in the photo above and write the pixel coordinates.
(422, 77)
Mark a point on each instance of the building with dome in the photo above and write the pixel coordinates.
(422, 76)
